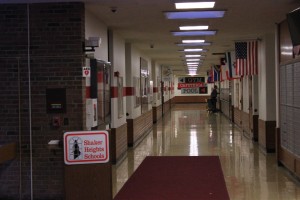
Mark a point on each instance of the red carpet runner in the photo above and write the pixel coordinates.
(176, 178)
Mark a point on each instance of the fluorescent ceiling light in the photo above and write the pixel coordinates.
(195, 14)
(191, 5)
(192, 63)
(193, 50)
(192, 56)
(193, 41)
(193, 33)
(194, 44)
(193, 59)
(192, 73)
(188, 28)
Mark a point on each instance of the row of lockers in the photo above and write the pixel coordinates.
(290, 85)
(290, 107)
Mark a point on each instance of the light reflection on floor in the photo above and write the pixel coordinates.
(248, 172)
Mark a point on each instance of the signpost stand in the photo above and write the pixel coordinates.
(88, 170)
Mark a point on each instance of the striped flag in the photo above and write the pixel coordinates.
(231, 65)
(216, 73)
(246, 58)
(209, 76)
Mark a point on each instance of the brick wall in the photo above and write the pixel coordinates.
(56, 57)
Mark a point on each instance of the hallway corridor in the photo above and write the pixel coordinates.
(188, 130)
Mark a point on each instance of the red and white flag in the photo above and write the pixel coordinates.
(246, 58)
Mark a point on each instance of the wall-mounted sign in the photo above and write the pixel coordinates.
(86, 72)
(86, 147)
(190, 91)
(198, 90)
(190, 85)
(191, 80)
(203, 90)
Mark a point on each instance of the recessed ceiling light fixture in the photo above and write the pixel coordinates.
(189, 28)
(194, 44)
(192, 5)
(193, 56)
(192, 63)
(194, 33)
(193, 68)
(193, 41)
(193, 59)
(192, 50)
(195, 14)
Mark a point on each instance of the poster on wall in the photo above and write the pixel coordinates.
(137, 91)
(120, 97)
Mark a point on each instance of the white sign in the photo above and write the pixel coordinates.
(86, 72)
(86, 147)
(190, 91)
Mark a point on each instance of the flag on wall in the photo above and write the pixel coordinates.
(216, 72)
(246, 58)
(224, 70)
(213, 74)
(209, 76)
(230, 62)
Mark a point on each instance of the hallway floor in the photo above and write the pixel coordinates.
(188, 130)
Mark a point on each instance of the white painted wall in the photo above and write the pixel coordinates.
(266, 86)
(133, 56)
(95, 28)
(255, 95)
(245, 94)
(118, 64)
(156, 78)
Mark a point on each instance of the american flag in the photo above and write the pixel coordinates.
(246, 58)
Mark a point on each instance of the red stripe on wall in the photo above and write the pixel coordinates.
(100, 77)
(114, 92)
(129, 91)
(155, 89)
(88, 91)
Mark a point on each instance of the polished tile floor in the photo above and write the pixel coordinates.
(191, 131)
